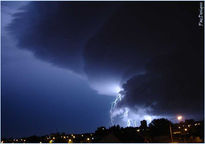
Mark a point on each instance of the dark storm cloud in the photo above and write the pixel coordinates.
(172, 84)
(58, 31)
(162, 40)
(157, 45)
(137, 33)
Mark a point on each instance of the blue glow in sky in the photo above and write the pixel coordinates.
(40, 98)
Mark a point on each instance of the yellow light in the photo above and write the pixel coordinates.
(64, 137)
(82, 135)
(185, 129)
(51, 141)
(179, 127)
(138, 130)
(40, 142)
(176, 132)
(54, 138)
(189, 125)
(179, 117)
(24, 140)
(70, 141)
(88, 139)
(73, 136)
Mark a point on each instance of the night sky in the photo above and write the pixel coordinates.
(74, 66)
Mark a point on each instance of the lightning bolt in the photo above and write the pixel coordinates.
(124, 112)
(126, 115)
(113, 106)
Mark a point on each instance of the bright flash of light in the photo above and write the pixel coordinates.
(114, 104)
(117, 89)
(107, 87)
(127, 117)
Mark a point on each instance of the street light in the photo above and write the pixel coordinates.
(179, 118)
(70, 141)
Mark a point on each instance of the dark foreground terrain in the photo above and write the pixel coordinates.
(159, 130)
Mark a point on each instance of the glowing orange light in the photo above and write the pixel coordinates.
(179, 118)
(70, 141)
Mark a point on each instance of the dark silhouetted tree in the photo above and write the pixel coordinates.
(159, 127)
